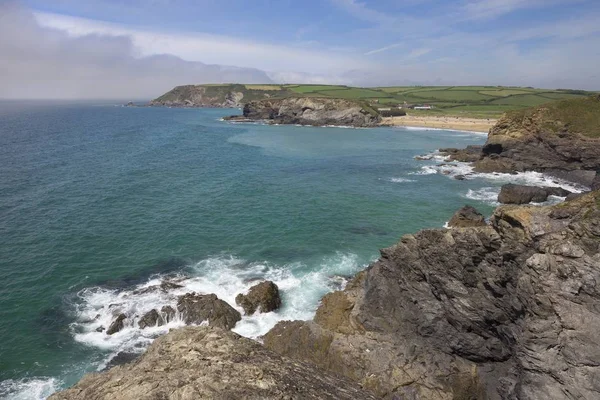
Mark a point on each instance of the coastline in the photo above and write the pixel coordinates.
(436, 122)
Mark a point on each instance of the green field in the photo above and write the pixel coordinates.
(467, 101)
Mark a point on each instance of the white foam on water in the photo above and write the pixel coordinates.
(29, 389)
(401, 180)
(301, 289)
(425, 170)
(487, 195)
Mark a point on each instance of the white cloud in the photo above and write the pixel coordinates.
(209, 48)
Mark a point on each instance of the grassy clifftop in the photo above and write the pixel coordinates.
(468, 101)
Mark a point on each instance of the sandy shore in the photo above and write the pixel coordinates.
(457, 123)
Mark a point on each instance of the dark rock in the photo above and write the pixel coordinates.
(208, 363)
(196, 308)
(521, 194)
(467, 217)
(310, 111)
(469, 154)
(574, 196)
(263, 297)
(506, 311)
(460, 177)
(100, 329)
(117, 325)
(424, 157)
(121, 358)
(168, 313)
(150, 319)
(165, 286)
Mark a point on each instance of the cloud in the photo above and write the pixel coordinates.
(490, 9)
(209, 48)
(39, 62)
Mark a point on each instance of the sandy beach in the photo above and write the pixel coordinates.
(457, 123)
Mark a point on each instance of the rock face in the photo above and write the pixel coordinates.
(560, 138)
(201, 96)
(311, 111)
(263, 297)
(467, 216)
(521, 194)
(196, 308)
(150, 319)
(209, 363)
(117, 325)
(505, 311)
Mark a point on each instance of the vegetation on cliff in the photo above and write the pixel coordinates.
(473, 101)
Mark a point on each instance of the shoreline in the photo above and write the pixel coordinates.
(436, 122)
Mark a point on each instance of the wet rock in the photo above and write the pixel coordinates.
(460, 177)
(117, 325)
(150, 319)
(100, 329)
(467, 216)
(522, 194)
(468, 154)
(208, 363)
(424, 157)
(263, 297)
(165, 286)
(197, 308)
(168, 313)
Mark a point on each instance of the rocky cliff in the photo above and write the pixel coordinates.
(210, 363)
(510, 310)
(562, 138)
(311, 111)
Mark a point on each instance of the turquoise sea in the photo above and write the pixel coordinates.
(98, 202)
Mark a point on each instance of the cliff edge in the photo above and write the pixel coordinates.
(209, 363)
(510, 310)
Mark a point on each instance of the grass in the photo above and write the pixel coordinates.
(581, 116)
(467, 101)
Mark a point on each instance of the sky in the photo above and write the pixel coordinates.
(142, 48)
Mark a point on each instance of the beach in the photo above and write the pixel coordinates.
(455, 123)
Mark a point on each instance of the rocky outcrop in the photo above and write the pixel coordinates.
(150, 319)
(117, 325)
(467, 216)
(263, 297)
(560, 139)
(310, 111)
(504, 311)
(522, 194)
(209, 363)
(197, 308)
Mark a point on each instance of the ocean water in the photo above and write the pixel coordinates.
(100, 202)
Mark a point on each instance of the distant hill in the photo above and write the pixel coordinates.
(472, 101)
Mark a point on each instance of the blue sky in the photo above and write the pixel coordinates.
(544, 43)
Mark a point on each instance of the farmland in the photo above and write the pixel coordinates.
(466, 101)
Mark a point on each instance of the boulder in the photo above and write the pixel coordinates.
(501, 312)
(197, 308)
(467, 216)
(522, 194)
(209, 363)
(117, 325)
(263, 297)
(168, 313)
(150, 319)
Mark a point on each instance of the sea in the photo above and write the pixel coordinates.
(99, 203)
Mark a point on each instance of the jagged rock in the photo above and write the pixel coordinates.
(310, 111)
(467, 216)
(196, 308)
(117, 325)
(165, 286)
(209, 363)
(521, 194)
(469, 154)
(263, 297)
(150, 319)
(168, 313)
(505, 311)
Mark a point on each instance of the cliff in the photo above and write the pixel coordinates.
(561, 138)
(216, 96)
(504, 311)
(210, 363)
(310, 111)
